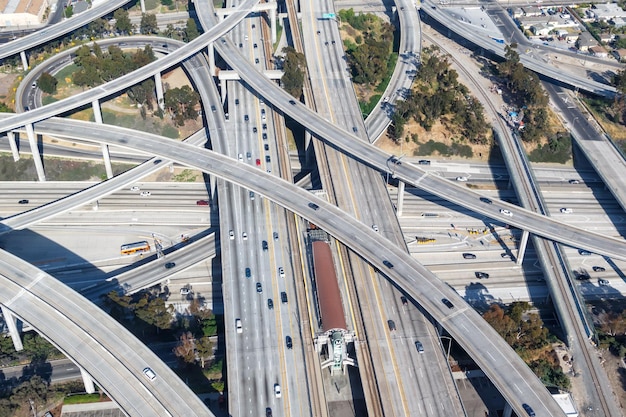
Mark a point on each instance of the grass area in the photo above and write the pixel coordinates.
(57, 169)
(187, 175)
(84, 399)
(65, 76)
(431, 147)
(152, 4)
(135, 121)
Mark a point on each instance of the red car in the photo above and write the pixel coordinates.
(258, 162)
(202, 203)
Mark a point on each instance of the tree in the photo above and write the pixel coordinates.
(148, 24)
(47, 83)
(69, 11)
(122, 21)
(153, 311)
(185, 350)
(182, 102)
(293, 72)
(98, 27)
(4, 108)
(204, 348)
(191, 30)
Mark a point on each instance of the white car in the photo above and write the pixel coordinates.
(149, 373)
(231, 235)
(145, 193)
(506, 212)
(238, 326)
(462, 179)
(277, 392)
(134, 188)
(244, 236)
(566, 210)
(375, 227)
(240, 157)
(281, 272)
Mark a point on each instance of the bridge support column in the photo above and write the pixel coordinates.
(158, 84)
(13, 145)
(309, 153)
(522, 247)
(211, 53)
(143, 6)
(24, 60)
(273, 23)
(223, 84)
(400, 198)
(11, 322)
(34, 149)
(508, 411)
(87, 381)
(106, 156)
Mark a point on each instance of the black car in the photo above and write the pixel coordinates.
(268, 412)
(598, 269)
(529, 410)
(467, 255)
(259, 287)
(266, 147)
(248, 273)
(22, 202)
(392, 325)
(213, 109)
(423, 162)
(264, 245)
(288, 342)
(292, 102)
(387, 264)
(485, 200)
(264, 136)
(314, 206)
(404, 300)
(246, 118)
(283, 297)
(267, 159)
(481, 275)
(447, 303)
(170, 265)
(270, 303)
(254, 129)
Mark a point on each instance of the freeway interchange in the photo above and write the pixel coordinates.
(518, 385)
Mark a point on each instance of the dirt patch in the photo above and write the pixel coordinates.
(8, 80)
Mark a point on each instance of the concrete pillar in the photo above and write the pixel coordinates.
(158, 84)
(400, 197)
(522, 247)
(34, 149)
(508, 411)
(11, 322)
(309, 152)
(223, 84)
(273, 23)
(143, 6)
(13, 145)
(87, 381)
(97, 114)
(24, 60)
(213, 191)
(211, 53)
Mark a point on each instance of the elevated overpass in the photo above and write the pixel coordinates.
(406, 271)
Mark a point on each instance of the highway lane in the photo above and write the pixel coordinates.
(59, 29)
(379, 302)
(110, 354)
(412, 174)
(600, 150)
(517, 385)
(409, 53)
(447, 18)
(333, 94)
(132, 78)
